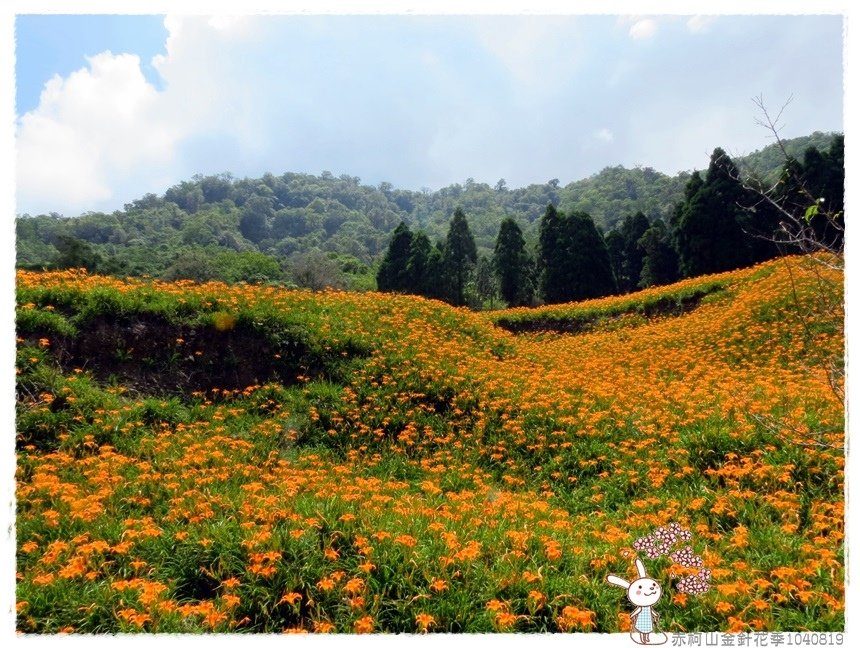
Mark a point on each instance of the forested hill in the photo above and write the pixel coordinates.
(220, 226)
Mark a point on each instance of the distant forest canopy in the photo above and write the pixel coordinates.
(318, 231)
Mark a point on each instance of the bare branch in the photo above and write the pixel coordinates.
(803, 438)
(796, 213)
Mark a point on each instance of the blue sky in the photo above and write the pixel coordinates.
(112, 107)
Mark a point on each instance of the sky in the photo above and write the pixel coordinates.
(108, 108)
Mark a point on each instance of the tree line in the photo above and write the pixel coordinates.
(317, 231)
(720, 224)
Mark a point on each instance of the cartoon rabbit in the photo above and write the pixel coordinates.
(644, 592)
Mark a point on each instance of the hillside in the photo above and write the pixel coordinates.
(250, 459)
(232, 229)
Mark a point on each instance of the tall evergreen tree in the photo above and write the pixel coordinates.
(834, 179)
(550, 253)
(660, 261)
(461, 255)
(710, 224)
(418, 264)
(615, 247)
(486, 283)
(687, 227)
(833, 191)
(632, 230)
(586, 264)
(393, 275)
(823, 177)
(574, 258)
(511, 263)
(438, 282)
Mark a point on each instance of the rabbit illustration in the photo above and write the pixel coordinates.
(644, 592)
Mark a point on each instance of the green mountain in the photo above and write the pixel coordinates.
(767, 162)
(328, 230)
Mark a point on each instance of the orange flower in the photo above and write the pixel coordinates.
(290, 598)
(438, 585)
(531, 577)
(496, 606)
(230, 600)
(572, 617)
(723, 607)
(326, 584)
(29, 547)
(323, 627)
(553, 550)
(736, 625)
(364, 625)
(504, 620)
(150, 591)
(424, 621)
(805, 596)
(167, 606)
(536, 600)
(354, 586)
(134, 617)
(213, 617)
(77, 566)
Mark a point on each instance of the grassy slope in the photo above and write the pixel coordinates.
(404, 465)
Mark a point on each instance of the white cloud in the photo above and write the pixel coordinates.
(698, 24)
(643, 29)
(100, 123)
(105, 135)
(604, 135)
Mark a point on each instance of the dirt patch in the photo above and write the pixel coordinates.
(152, 355)
(669, 306)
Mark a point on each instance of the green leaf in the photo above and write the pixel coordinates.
(811, 211)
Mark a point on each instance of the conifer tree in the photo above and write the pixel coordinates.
(574, 259)
(461, 255)
(586, 265)
(393, 275)
(712, 225)
(632, 230)
(438, 283)
(660, 261)
(486, 283)
(817, 181)
(549, 259)
(615, 247)
(511, 264)
(417, 265)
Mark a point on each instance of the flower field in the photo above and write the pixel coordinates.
(213, 458)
